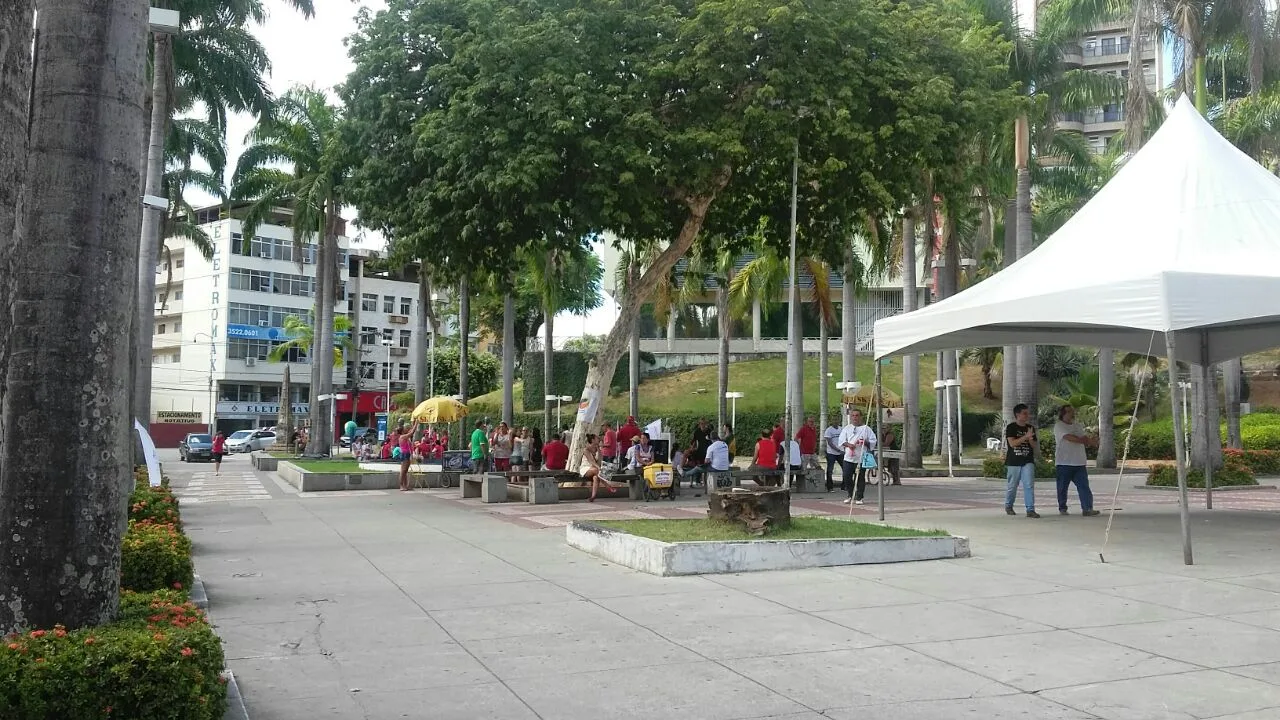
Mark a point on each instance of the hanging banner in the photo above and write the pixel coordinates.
(149, 453)
(589, 406)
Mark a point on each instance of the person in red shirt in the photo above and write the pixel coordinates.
(626, 432)
(766, 457)
(807, 439)
(219, 448)
(555, 454)
(609, 446)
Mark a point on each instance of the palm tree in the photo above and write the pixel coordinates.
(301, 334)
(213, 62)
(563, 280)
(62, 514)
(302, 133)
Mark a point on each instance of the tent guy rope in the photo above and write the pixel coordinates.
(1124, 456)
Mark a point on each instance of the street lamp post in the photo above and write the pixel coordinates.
(945, 386)
(432, 352)
(733, 397)
(1185, 387)
(386, 342)
(849, 386)
(558, 399)
(211, 368)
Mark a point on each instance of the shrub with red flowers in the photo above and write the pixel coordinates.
(155, 504)
(159, 661)
(154, 556)
(1259, 462)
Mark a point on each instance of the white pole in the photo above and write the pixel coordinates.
(1180, 452)
(959, 417)
(557, 414)
(432, 386)
(388, 344)
(735, 413)
(794, 366)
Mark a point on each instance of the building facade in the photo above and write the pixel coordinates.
(1106, 50)
(218, 320)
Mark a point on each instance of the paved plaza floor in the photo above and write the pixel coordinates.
(421, 605)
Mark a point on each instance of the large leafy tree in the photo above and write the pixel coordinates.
(62, 514)
(297, 160)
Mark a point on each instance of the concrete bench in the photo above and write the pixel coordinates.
(489, 488)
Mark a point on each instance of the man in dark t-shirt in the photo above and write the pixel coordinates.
(701, 441)
(1019, 461)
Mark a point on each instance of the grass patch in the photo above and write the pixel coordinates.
(802, 528)
(349, 467)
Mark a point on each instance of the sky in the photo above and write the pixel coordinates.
(312, 52)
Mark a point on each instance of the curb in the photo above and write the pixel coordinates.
(198, 595)
(235, 702)
(1225, 488)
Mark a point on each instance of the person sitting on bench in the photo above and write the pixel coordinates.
(555, 454)
(766, 457)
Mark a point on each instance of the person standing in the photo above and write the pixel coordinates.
(892, 466)
(626, 432)
(502, 443)
(218, 449)
(406, 456)
(807, 437)
(1070, 460)
(701, 441)
(479, 448)
(609, 445)
(831, 441)
(1019, 461)
(533, 458)
(857, 439)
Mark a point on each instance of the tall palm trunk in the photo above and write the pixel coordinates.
(725, 327)
(508, 357)
(633, 344)
(1106, 408)
(912, 456)
(1009, 353)
(320, 439)
(931, 240)
(464, 335)
(1232, 389)
(824, 364)
(548, 368)
(1206, 441)
(15, 81)
(62, 514)
(848, 319)
(951, 285)
(1028, 380)
(150, 240)
(425, 314)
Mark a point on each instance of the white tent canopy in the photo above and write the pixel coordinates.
(1185, 238)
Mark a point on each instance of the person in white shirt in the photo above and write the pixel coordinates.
(856, 439)
(1070, 458)
(794, 458)
(718, 456)
(831, 442)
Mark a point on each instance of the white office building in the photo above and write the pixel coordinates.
(217, 321)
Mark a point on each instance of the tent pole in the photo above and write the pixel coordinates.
(1180, 450)
(1210, 425)
(880, 471)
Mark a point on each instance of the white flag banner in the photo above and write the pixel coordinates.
(654, 428)
(148, 452)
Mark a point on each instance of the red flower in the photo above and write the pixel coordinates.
(188, 652)
(13, 646)
(158, 637)
(37, 633)
(177, 586)
(88, 640)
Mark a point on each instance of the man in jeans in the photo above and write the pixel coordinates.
(1019, 461)
(1070, 456)
(835, 455)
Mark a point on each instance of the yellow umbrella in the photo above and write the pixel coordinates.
(866, 395)
(439, 410)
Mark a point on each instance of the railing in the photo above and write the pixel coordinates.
(1106, 49)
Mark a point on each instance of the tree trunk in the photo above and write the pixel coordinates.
(150, 240)
(63, 514)
(464, 335)
(939, 409)
(1028, 380)
(1106, 408)
(15, 86)
(1206, 446)
(425, 314)
(1232, 388)
(722, 369)
(322, 354)
(950, 285)
(508, 357)
(548, 369)
(759, 511)
(848, 319)
(601, 368)
(1135, 104)
(912, 456)
(633, 367)
(1009, 353)
(796, 376)
(824, 364)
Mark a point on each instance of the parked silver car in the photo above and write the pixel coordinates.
(243, 441)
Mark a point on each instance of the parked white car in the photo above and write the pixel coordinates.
(243, 441)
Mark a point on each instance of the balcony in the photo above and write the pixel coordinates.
(1071, 121)
(399, 352)
(1072, 55)
(398, 319)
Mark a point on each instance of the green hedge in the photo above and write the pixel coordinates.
(1259, 462)
(157, 505)
(160, 661)
(1163, 475)
(154, 556)
(569, 375)
(993, 467)
(1154, 440)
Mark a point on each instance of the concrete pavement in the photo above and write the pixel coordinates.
(393, 605)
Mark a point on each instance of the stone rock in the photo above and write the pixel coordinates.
(759, 510)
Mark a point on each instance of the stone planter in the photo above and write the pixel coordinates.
(698, 558)
(264, 461)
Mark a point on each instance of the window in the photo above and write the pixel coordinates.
(386, 371)
(388, 335)
(177, 326)
(406, 304)
(177, 294)
(369, 370)
(1123, 44)
(160, 329)
(368, 335)
(1113, 112)
(178, 263)
(299, 394)
(388, 304)
(231, 392)
(278, 283)
(406, 336)
(404, 372)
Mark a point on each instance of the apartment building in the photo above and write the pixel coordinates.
(1106, 50)
(218, 320)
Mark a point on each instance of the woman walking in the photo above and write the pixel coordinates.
(406, 455)
(219, 448)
